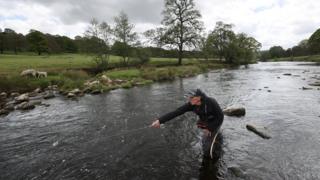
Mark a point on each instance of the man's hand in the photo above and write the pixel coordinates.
(155, 124)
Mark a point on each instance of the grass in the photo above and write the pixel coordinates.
(66, 71)
(312, 58)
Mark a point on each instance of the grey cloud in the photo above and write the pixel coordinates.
(73, 11)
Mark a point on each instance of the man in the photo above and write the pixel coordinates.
(209, 112)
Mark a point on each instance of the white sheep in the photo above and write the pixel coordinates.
(29, 73)
(42, 74)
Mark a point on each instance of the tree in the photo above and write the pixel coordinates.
(314, 42)
(124, 34)
(234, 48)
(1, 41)
(182, 27)
(37, 41)
(276, 52)
(220, 38)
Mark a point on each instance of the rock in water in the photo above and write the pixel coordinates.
(315, 84)
(22, 98)
(287, 74)
(3, 95)
(235, 111)
(71, 95)
(49, 95)
(4, 112)
(306, 88)
(25, 106)
(257, 131)
(236, 171)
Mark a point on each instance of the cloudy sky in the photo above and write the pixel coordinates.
(271, 22)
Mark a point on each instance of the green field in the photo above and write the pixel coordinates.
(67, 71)
(14, 64)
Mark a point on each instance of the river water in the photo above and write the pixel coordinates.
(104, 136)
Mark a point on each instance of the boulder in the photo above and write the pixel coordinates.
(35, 103)
(87, 90)
(105, 79)
(25, 106)
(38, 90)
(75, 91)
(71, 95)
(9, 107)
(14, 94)
(3, 95)
(97, 91)
(29, 73)
(49, 95)
(306, 88)
(4, 112)
(22, 98)
(259, 131)
(235, 111)
(315, 84)
(237, 171)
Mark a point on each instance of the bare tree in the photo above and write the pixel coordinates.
(182, 27)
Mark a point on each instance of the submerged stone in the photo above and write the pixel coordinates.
(235, 111)
(258, 131)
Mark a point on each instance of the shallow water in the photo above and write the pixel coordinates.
(103, 137)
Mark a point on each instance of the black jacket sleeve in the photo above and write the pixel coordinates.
(181, 110)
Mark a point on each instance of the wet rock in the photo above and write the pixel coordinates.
(259, 131)
(306, 88)
(235, 111)
(296, 75)
(236, 171)
(9, 107)
(3, 95)
(44, 104)
(303, 79)
(4, 112)
(33, 94)
(97, 91)
(266, 87)
(287, 74)
(25, 106)
(64, 93)
(71, 95)
(35, 103)
(315, 84)
(278, 77)
(87, 90)
(49, 95)
(22, 98)
(14, 94)
(269, 90)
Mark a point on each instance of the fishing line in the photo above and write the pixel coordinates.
(127, 132)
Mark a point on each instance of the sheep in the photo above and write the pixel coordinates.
(29, 73)
(42, 74)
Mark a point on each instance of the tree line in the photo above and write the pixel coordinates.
(305, 47)
(180, 35)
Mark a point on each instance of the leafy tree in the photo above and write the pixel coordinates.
(1, 41)
(181, 26)
(314, 42)
(276, 52)
(220, 38)
(37, 41)
(233, 48)
(125, 36)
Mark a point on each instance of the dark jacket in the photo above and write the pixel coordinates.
(209, 112)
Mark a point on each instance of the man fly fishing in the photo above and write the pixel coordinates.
(209, 112)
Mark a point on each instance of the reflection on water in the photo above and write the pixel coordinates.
(87, 139)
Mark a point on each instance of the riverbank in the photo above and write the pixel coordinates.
(72, 81)
(312, 58)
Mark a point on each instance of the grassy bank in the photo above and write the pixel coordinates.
(66, 71)
(313, 58)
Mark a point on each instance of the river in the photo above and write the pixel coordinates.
(105, 136)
